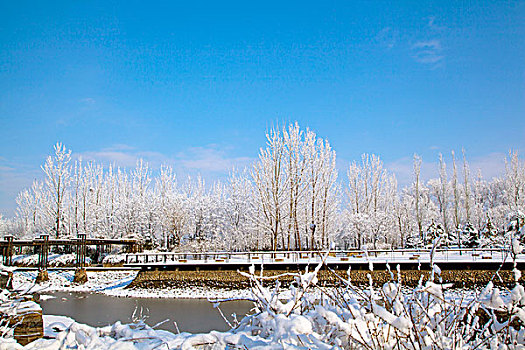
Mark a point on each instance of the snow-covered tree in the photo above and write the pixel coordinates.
(514, 182)
(471, 236)
(321, 199)
(433, 232)
(413, 241)
(296, 190)
(456, 196)
(516, 226)
(290, 198)
(57, 179)
(440, 190)
(239, 213)
(270, 182)
(371, 191)
(417, 195)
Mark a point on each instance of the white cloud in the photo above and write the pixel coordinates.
(428, 52)
(123, 156)
(491, 165)
(121, 159)
(429, 49)
(211, 158)
(120, 147)
(387, 37)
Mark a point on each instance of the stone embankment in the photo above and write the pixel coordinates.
(20, 313)
(24, 316)
(230, 279)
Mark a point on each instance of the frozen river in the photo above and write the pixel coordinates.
(191, 315)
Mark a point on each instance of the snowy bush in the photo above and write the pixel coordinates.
(26, 260)
(389, 317)
(54, 260)
(65, 260)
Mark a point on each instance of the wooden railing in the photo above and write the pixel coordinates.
(302, 256)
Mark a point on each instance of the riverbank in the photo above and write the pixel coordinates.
(115, 283)
(226, 284)
(228, 280)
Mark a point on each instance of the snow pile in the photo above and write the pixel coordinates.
(13, 309)
(117, 336)
(5, 270)
(66, 260)
(63, 281)
(18, 307)
(54, 260)
(388, 317)
(26, 260)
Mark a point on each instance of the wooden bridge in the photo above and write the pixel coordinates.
(453, 259)
(43, 244)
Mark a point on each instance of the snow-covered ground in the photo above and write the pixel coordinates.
(62, 280)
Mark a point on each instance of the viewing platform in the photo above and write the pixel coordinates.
(407, 259)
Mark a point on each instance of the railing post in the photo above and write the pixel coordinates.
(81, 251)
(8, 257)
(44, 251)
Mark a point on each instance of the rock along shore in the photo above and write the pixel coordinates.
(230, 279)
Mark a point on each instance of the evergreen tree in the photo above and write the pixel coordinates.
(471, 236)
(434, 231)
(487, 236)
(413, 241)
(451, 239)
(516, 226)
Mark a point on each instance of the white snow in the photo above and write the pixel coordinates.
(62, 280)
(304, 316)
(310, 323)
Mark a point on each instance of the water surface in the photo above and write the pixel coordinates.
(191, 315)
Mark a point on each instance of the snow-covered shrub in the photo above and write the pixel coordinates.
(54, 260)
(390, 317)
(26, 260)
(65, 260)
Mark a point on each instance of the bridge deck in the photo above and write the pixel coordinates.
(407, 259)
(64, 242)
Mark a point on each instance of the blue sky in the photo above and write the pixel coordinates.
(197, 84)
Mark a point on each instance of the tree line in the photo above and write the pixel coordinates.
(292, 197)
